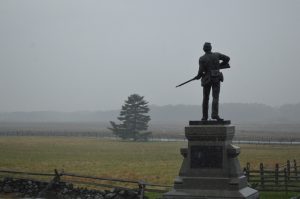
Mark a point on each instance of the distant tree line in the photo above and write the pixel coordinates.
(236, 112)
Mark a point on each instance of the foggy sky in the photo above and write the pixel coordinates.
(90, 55)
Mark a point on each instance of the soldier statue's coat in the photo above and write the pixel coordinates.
(209, 70)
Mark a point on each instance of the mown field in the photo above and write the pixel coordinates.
(155, 162)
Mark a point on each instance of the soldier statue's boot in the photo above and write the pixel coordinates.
(216, 117)
(205, 109)
(204, 115)
(204, 118)
(215, 106)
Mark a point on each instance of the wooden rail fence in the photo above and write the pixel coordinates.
(136, 185)
(282, 178)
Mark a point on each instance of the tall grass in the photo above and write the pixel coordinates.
(156, 162)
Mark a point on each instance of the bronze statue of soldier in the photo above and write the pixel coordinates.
(210, 65)
(209, 70)
(210, 167)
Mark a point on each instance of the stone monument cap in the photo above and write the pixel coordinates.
(210, 122)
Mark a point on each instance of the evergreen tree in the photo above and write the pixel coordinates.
(134, 119)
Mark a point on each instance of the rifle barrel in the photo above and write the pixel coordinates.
(185, 82)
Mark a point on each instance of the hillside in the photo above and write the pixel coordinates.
(236, 112)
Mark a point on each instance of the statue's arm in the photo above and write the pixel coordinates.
(201, 69)
(224, 59)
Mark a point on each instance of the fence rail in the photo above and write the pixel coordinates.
(282, 178)
(137, 185)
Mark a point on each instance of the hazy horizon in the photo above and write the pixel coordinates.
(167, 115)
(153, 105)
(76, 55)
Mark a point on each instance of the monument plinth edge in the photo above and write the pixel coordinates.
(209, 122)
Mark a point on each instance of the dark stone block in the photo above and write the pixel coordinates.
(7, 189)
(210, 122)
(184, 152)
(211, 168)
(206, 157)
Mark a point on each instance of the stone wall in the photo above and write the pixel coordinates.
(19, 188)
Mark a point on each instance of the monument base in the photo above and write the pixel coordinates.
(210, 168)
(243, 193)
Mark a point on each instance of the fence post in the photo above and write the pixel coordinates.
(142, 187)
(248, 171)
(262, 178)
(50, 184)
(285, 180)
(295, 169)
(288, 165)
(276, 173)
(245, 172)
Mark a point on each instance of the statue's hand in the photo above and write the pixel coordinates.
(197, 77)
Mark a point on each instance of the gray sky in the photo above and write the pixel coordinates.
(90, 55)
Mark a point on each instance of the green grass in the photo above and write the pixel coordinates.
(262, 195)
(276, 195)
(155, 162)
(268, 154)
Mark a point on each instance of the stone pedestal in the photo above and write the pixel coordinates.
(210, 168)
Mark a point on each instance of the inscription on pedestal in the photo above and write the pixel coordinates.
(206, 156)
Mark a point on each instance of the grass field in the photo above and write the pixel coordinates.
(156, 162)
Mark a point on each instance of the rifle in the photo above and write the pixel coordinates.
(187, 82)
(224, 66)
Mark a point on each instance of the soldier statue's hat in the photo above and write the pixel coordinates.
(207, 46)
